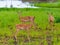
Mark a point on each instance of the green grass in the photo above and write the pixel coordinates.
(48, 5)
(10, 17)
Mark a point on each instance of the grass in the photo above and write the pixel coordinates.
(10, 17)
(48, 5)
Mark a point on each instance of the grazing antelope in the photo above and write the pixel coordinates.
(51, 20)
(23, 27)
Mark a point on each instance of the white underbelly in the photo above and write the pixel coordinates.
(22, 28)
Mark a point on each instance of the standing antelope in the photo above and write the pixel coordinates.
(51, 20)
(26, 18)
(23, 27)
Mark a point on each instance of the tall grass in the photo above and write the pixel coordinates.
(9, 18)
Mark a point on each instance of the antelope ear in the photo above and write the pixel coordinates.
(47, 12)
(51, 13)
(18, 12)
(34, 16)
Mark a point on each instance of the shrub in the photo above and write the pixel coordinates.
(57, 19)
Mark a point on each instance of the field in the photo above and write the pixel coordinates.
(9, 18)
(49, 5)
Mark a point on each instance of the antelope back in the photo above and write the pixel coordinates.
(27, 19)
(24, 26)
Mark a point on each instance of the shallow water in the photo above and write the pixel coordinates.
(16, 4)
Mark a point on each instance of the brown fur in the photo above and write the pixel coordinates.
(23, 27)
(51, 20)
(27, 19)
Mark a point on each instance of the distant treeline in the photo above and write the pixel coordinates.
(40, 0)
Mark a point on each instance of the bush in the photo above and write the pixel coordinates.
(57, 19)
